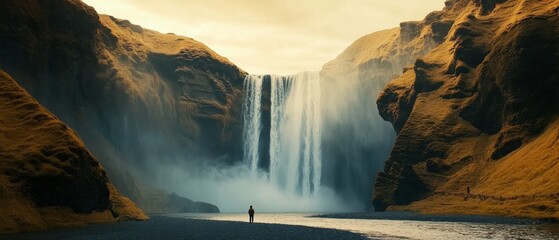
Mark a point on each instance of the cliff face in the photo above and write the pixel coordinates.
(135, 96)
(175, 81)
(357, 140)
(379, 56)
(47, 176)
(480, 112)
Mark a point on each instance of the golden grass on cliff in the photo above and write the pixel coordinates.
(31, 143)
(523, 183)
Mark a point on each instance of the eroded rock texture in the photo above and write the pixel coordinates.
(479, 111)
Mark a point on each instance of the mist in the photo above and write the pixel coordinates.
(234, 188)
(356, 140)
(354, 143)
(283, 169)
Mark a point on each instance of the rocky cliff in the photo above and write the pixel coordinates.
(357, 140)
(379, 56)
(478, 114)
(136, 96)
(48, 178)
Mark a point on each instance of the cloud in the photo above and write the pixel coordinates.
(271, 36)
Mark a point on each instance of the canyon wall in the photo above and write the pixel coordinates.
(138, 98)
(356, 140)
(476, 118)
(48, 178)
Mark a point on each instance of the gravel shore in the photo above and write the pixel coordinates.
(159, 227)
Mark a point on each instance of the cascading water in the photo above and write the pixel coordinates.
(310, 144)
(295, 130)
(278, 96)
(252, 124)
(300, 135)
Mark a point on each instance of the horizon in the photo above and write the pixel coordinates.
(285, 40)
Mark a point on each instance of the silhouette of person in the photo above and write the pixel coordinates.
(251, 214)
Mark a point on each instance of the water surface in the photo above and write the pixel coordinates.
(396, 225)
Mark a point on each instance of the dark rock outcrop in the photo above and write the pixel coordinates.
(185, 205)
(406, 188)
(158, 201)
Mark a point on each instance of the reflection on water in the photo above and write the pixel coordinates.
(400, 229)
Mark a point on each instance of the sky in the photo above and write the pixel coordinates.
(270, 36)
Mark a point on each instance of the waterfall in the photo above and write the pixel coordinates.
(278, 95)
(295, 130)
(251, 118)
(300, 128)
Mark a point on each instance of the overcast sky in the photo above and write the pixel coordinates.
(270, 36)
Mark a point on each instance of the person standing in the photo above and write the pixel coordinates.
(251, 214)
